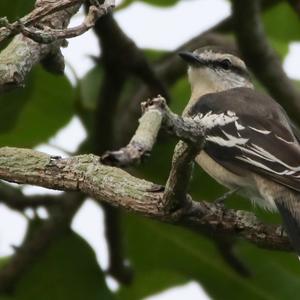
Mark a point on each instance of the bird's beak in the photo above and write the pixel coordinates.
(191, 58)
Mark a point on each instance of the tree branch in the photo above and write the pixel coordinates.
(226, 249)
(126, 55)
(42, 9)
(48, 35)
(15, 199)
(84, 173)
(18, 58)
(175, 195)
(156, 114)
(261, 57)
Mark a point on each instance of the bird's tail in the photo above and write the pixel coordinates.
(289, 208)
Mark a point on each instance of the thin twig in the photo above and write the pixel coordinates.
(156, 114)
(42, 9)
(48, 35)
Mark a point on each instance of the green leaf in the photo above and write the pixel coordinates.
(15, 9)
(161, 250)
(11, 106)
(150, 282)
(282, 23)
(154, 55)
(32, 115)
(281, 47)
(68, 270)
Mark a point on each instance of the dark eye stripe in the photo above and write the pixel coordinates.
(217, 64)
(236, 69)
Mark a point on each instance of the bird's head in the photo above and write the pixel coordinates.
(216, 69)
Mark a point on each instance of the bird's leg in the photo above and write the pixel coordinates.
(220, 200)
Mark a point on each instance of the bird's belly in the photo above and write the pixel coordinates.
(220, 174)
(247, 185)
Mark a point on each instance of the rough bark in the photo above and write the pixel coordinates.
(104, 183)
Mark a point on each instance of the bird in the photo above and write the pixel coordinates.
(256, 152)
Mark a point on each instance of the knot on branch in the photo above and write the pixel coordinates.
(158, 103)
(132, 153)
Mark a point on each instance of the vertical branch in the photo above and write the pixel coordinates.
(103, 139)
(121, 58)
(261, 57)
(175, 194)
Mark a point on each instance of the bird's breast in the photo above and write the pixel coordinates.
(248, 186)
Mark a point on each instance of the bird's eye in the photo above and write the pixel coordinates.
(225, 64)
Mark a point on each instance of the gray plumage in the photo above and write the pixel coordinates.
(271, 148)
(258, 152)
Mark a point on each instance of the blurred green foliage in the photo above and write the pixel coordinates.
(282, 26)
(33, 114)
(16, 9)
(162, 256)
(67, 270)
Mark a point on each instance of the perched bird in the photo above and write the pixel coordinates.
(258, 152)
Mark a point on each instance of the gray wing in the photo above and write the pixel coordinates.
(296, 130)
(260, 139)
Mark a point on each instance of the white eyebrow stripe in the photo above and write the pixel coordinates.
(259, 130)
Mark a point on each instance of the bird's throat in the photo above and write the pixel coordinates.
(200, 89)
